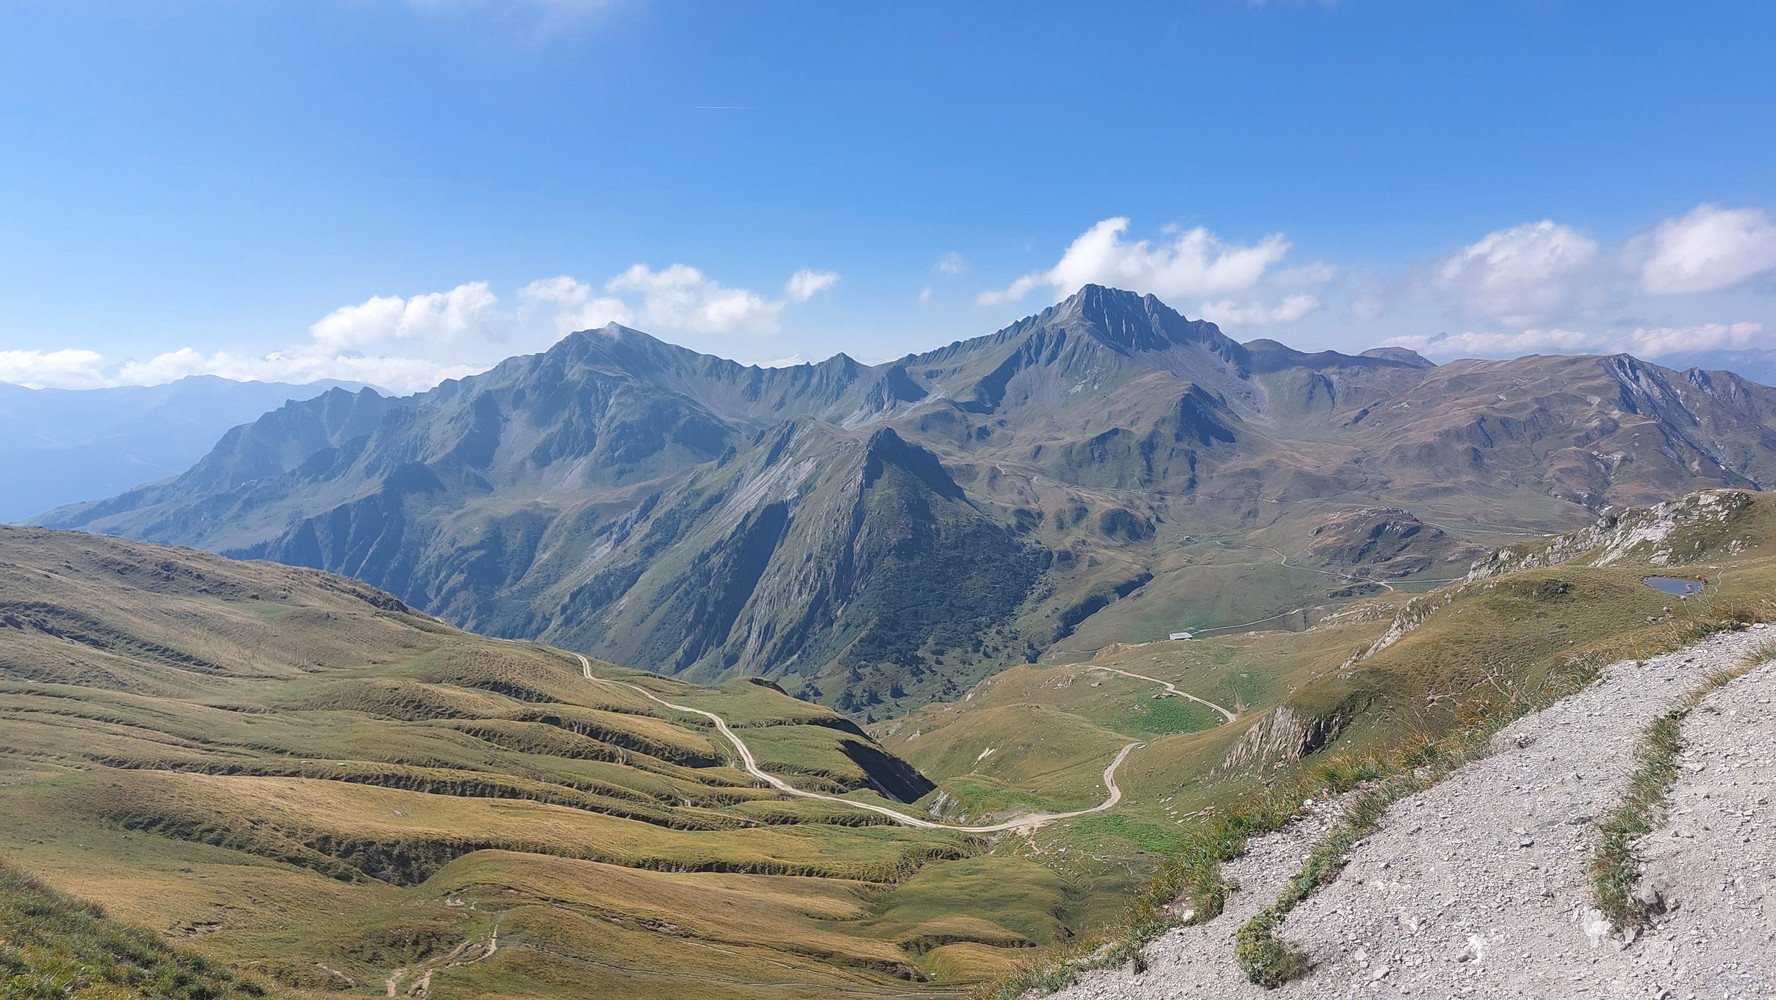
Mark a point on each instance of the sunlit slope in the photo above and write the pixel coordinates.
(309, 780)
(1391, 671)
(54, 946)
(303, 778)
(876, 538)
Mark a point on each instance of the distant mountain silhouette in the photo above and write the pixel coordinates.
(67, 445)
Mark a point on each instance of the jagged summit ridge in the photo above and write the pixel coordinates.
(843, 528)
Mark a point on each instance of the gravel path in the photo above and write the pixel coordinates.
(1023, 823)
(1478, 887)
(1717, 856)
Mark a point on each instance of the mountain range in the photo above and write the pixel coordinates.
(875, 537)
(68, 445)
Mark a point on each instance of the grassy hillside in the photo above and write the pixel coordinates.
(53, 946)
(300, 778)
(1460, 655)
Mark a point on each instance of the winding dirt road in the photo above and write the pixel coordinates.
(1028, 821)
(1169, 686)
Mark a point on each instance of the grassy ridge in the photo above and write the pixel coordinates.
(292, 771)
(53, 946)
(305, 781)
(1481, 653)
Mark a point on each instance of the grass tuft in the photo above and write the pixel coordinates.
(53, 946)
(1616, 863)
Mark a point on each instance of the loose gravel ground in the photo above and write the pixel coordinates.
(1480, 886)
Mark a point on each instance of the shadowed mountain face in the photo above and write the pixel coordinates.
(880, 536)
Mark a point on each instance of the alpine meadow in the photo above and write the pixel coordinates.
(1283, 513)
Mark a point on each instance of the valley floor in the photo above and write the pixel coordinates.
(1481, 885)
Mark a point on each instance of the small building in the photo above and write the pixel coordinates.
(1182, 635)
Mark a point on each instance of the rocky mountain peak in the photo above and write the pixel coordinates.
(1128, 322)
(886, 448)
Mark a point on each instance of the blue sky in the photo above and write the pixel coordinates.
(397, 190)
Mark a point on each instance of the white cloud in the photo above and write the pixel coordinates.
(1229, 313)
(789, 362)
(77, 369)
(1708, 249)
(1317, 273)
(677, 299)
(570, 305)
(1479, 344)
(925, 295)
(1644, 342)
(1660, 341)
(1193, 262)
(298, 365)
(805, 284)
(434, 326)
(1012, 292)
(336, 349)
(438, 316)
(681, 298)
(1368, 306)
(64, 369)
(1525, 274)
(952, 263)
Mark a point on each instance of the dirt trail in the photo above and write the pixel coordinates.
(1026, 822)
(1169, 686)
(422, 986)
(1480, 886)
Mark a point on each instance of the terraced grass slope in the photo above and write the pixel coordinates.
(53, 946)
(305, 779)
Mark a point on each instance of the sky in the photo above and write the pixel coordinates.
(400, 191)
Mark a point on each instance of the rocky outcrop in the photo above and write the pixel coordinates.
(1664, 534)
(1279, 736)
(1405, 620)
(1480, 886)
(1383, 543)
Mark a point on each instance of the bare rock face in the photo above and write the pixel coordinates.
(1280, 735)
(1664, 534)
(1404, 355)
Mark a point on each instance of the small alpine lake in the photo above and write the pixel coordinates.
(1673, 585)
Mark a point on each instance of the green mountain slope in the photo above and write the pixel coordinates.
(879, 537)
(55, 946)
(299, 777)
(308, 780)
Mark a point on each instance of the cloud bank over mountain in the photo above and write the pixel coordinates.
(1695, 282)
(409, 344)
(1703, 280)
